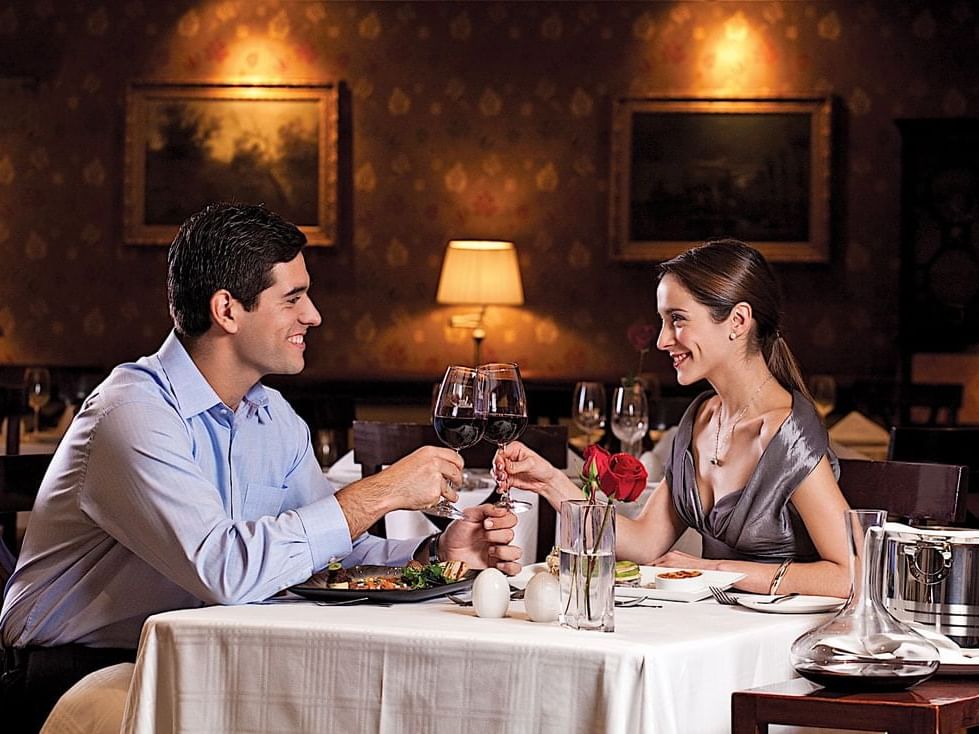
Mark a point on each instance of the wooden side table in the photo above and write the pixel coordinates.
(937, 706)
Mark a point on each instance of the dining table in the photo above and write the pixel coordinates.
(298, 665)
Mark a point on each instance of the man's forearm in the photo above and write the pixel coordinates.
(365, 502)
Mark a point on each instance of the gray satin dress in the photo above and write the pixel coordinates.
(757, 523)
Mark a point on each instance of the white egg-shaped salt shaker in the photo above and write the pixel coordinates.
(542, 597)
(491, 594)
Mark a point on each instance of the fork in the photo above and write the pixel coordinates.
(722, 596)
(783, 597)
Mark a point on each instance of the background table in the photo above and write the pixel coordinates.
(436, 667)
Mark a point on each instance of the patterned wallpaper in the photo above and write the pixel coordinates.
(487, 119)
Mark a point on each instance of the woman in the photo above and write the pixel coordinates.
(750, 467)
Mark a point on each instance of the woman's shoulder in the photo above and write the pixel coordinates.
(805, 415)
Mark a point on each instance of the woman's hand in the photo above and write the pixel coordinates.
(520, 467)
(679, 559)
(482, 539)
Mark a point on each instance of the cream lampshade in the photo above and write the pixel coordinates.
(483, 273)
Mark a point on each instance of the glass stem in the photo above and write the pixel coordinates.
(500, 489)
(37, 420)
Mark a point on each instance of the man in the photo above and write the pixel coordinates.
(183, 481)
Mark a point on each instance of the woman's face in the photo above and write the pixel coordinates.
(695, 342)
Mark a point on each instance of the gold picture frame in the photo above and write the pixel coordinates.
(188, 145)
(685, 170)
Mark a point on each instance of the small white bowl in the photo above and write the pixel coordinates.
(666, 581)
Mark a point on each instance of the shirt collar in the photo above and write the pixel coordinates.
(193, 392)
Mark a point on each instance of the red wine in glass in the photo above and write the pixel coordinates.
(459, 432)
(505, 403)
(502, 429)
(458, 419)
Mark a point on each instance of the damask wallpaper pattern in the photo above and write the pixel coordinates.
(486, 119)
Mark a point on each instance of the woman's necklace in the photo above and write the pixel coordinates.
(716, 460)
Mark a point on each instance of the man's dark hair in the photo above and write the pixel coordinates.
(231, 246)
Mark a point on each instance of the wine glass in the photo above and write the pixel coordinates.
(823, 391)
(459, 419)
(630, 416)
(588, 409)
(37, 382)
(506, 415)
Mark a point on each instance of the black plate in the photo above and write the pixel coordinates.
(386, 596)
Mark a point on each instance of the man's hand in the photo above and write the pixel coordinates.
(482, 539)
(413, 483)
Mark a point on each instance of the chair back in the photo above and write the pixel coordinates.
(377, 444)
(936, 444)
(908, 491)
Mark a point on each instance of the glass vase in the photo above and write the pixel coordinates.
(587, 565)
(864, 648)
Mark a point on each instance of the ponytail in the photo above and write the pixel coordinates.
(783, 364)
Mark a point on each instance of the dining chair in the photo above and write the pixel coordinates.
(946, 445)
(377, 444)
(96, 704)
(909, 491)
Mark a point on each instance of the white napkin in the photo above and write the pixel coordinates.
(856, 429)
(344, 471)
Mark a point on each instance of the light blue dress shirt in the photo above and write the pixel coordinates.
(161, 497)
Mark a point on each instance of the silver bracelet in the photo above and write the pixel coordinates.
(779, 575)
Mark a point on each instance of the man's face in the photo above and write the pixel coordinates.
(271, 338)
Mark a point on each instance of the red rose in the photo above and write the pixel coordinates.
(625, 478)
(641, 336)
(598, 456)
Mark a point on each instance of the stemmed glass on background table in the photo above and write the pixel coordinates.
(459, 419)
(506, 415)
(630, 416)
(37, 383)
(588, 409)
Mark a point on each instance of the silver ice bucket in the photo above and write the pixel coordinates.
(931, 577)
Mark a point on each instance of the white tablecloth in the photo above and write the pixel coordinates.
(435, 667)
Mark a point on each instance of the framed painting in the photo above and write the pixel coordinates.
(188, 145)
(687, 170)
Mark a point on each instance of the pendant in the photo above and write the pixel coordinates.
(715, 461)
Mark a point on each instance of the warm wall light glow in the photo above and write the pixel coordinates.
(217, 40)
(736, 27)
(735, 57)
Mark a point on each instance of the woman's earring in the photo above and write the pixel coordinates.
(732, 336)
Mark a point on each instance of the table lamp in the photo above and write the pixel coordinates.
(480, 273)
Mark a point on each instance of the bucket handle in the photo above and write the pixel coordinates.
(914, 554)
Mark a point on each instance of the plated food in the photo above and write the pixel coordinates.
(627, 573)
(680, 579)
(413, 582)
(413, 576)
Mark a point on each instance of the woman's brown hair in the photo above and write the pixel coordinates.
(722, 273)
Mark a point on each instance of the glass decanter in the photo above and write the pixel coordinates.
(864, 648)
